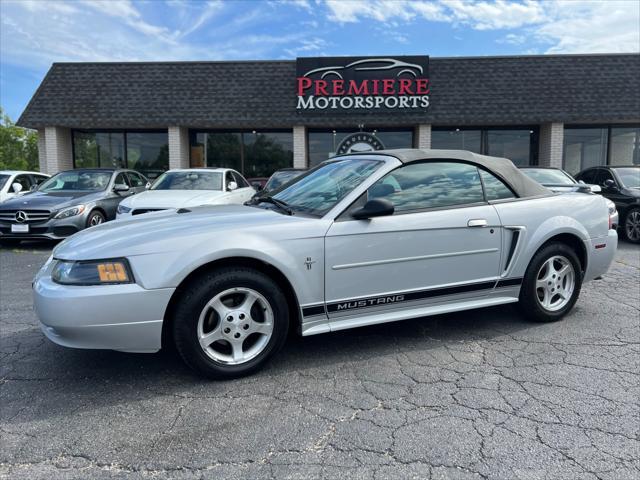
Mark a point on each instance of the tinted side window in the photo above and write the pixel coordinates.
(136, 180)
(494, 188)
(121, 179)
(38, 179)
(429, 185)
(242, 183)
(590, 176)
(603, 176)
(23, 180)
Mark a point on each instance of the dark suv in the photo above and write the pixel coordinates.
(622, 186)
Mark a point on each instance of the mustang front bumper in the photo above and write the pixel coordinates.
(115, 317)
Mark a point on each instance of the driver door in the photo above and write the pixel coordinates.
(442, 244)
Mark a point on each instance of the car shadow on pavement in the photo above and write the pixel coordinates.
(57, 381)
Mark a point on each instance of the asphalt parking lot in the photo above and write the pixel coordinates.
(479, 394)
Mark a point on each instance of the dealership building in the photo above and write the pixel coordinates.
(569, 111)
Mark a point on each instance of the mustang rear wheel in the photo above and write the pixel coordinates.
(229, 322)
(551, 283)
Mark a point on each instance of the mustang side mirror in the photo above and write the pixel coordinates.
(608, 183)
(376, 207)
(231, 186)
(120, 187)
(17, 188)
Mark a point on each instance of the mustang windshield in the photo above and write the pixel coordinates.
(316, 192)
(630, 177)
(548, 176)
(188, 181)
(77, 180)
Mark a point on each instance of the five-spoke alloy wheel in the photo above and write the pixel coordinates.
(551, 284)
(235, 325)
(229, 321)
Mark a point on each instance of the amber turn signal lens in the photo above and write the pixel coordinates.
(112, 272)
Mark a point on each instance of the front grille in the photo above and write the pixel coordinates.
(140, 211)
(33, 216)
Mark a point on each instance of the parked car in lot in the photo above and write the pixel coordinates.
(281, 177)
(360, 239)
(191, 187)
(67, 203)
(258, 183)
(621, 185)
(557, 180)
(14, 183)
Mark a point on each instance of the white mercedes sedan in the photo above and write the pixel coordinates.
(360, 239)
(190, 187)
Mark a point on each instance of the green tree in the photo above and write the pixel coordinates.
(18, 146)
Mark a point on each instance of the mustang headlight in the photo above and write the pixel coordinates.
(92, 272)
(122, 209)
(70, 212)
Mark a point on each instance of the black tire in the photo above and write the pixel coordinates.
(194, 298)
(529, 304)
(97, 216)
(632, 234)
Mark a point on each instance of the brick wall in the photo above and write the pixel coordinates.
(423, 136)
(58, 150)
(300, 147)
(551, 145)
(178, 147)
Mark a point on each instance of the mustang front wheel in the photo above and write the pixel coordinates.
(229, 322)
(551, 283)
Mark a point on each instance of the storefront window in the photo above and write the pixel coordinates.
(146, 152)
(264, 153)
(516, 145)
(254, 153)
(323, 144)
(584, 148)
(457, 139)
(98, 149)
(624, 147)
(520, 145)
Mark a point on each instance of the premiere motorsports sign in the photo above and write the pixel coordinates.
(344, 84)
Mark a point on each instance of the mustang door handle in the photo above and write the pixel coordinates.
(477, 222)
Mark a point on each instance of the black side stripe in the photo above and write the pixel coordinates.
(509, 282)
(313, 310)
(407, 297)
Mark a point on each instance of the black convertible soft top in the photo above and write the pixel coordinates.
(502, 168)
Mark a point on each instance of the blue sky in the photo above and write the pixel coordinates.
(36, 33)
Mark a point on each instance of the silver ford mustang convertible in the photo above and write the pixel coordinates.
(360, 239)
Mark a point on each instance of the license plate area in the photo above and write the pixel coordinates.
(19, 228)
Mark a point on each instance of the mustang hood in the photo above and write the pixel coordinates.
(168, 231)
(49, 201)
(173, 198)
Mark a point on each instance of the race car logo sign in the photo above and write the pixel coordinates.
(359, 142)
(343, 84)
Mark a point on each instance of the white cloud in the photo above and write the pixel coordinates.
(513, 39)
(561, 26)
(598, 27)
(485, 15)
